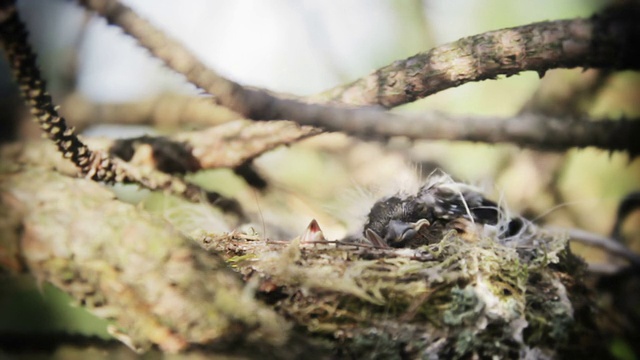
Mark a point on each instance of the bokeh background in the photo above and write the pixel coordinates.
(303, 47)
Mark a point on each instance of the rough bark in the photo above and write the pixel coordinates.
(156, 285)
(606, 40)
(603, 41)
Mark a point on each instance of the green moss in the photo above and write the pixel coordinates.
(460, 297)
(465, 307)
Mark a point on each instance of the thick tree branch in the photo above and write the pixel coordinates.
(155, 284)
(533, 131)
(605, 40)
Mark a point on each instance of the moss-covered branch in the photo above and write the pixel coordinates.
(122, 264)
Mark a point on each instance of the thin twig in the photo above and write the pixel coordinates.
(233, 144)
(581, 42)
(165, 110)
(526, 130)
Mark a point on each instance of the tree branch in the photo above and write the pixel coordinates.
(232, 144)
(604, 40)
(165, 110)
(94, 165)
(224, 146)
(120, 263)
(608, 244)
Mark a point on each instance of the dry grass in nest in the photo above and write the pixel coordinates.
(455, 298)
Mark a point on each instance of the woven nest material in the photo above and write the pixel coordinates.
(461, 297)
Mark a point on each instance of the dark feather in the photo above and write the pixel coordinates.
(443, 203)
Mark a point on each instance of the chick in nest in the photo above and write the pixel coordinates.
(440, 206)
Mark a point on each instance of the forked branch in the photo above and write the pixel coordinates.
(606, 40)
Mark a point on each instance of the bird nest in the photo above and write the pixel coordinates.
(472, 293)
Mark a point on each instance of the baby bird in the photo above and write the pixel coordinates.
(440, 206)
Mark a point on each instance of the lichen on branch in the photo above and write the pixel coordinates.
(154, 284)
(607, 40)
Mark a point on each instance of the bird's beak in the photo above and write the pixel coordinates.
(400, 231)
(312, 233)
